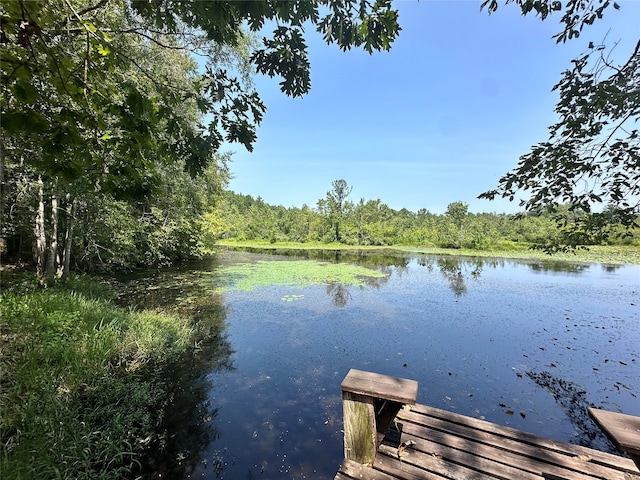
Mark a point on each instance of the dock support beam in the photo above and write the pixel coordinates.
(359, 427)
(370, 402)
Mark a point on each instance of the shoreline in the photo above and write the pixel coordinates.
(607, 255)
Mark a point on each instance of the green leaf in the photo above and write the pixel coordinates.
(24, 92)
(24, 122)
(103, 50)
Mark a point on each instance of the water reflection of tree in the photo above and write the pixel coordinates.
(367, 258)
(454, 270)
(559, 266)
(339, 294)
(189, 418)
(572, 398)
(610, 268)
(177, 289)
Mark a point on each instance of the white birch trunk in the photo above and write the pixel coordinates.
(40, 243)
(68, 238)
(53, 247)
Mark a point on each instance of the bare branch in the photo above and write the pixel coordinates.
(100, 4)
(636, 52)
(163, 45)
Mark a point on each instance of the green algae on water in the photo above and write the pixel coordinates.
(296, 273)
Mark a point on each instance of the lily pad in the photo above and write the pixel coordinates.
(291, 298)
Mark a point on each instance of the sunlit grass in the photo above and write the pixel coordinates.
(594, 254)
(76, 399)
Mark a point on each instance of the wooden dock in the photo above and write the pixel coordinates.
(423, 442)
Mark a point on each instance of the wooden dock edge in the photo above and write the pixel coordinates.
(370, 402)
(446, 445)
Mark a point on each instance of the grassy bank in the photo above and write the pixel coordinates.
(594, 254)
(81, 394)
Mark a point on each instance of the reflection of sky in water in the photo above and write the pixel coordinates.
(475, 335)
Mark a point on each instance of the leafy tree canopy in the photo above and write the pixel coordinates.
(457, 212)
(81, 88)
(83, 96)
(591, 160)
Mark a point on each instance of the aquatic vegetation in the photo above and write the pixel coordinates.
(297, 273)
(573, 399)
(291, 298)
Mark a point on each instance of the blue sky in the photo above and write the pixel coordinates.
(454, 104)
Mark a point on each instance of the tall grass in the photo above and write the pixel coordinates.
(81, 393)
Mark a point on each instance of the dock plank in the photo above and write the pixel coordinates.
(459, 459)
(506, 436)
(623, 430)
(406, 470)
(515, 448)
(497, 454)
(353, 470)
(380, 386)
(445, 463)
(447, 445)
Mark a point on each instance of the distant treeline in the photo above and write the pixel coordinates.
(372, 222)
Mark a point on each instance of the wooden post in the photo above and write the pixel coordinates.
(359, 427)
(370, 402)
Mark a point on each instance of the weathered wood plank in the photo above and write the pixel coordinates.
(455, 447)
(350, 469)
(459, 460)
(360, 439)
(445, 463)
(623, 430)
(447, 445)
(396, 389)
(511, 449)
(511, 434)
(497, 457)
(408, 471)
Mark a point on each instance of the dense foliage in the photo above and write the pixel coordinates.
(103, 105)
(166, 225)
(83, 392)
(101, 101)
(100, 119)
(372, 222)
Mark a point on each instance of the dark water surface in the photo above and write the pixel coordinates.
(525, 344)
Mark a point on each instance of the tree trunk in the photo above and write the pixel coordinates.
(53, 247)
(3, 245)
(40, 243)
(68, 238)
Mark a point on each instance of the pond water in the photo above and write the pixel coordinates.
(525, 344)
